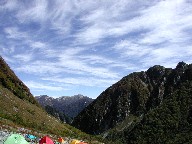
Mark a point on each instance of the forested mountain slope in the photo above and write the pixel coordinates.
(144, 107)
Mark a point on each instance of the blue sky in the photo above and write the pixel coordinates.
(68, 47)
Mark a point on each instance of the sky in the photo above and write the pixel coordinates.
(69, 47)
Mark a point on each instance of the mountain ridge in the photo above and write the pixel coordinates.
(126, 103)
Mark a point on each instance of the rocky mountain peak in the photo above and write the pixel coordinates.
(181, 65)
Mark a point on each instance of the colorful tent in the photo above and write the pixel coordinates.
(16, 139)
(60, 140)
(46, 140)
(75, 142)
(30, 137)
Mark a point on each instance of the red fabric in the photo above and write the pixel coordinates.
(46, 140)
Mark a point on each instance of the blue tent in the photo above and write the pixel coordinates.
(31, 137)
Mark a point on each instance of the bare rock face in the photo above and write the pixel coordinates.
(132, 96)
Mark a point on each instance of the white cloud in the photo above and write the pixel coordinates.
(99, 21)
(37, 44)
(40, 68)
(131, 49)
(94, 59)
(19, 40)
(9, 50)
(82, 81)
(8, 5)
(41, 86)
(14, 33)
(164, 34)
(71, 60)
(168, 56)
(24, 57)
(7, 59)
(90, 35)
(76, 60)
(113, 19)
(33, 11)
(168, 22)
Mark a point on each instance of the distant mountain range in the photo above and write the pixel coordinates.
(71, 106)
(153, 106)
